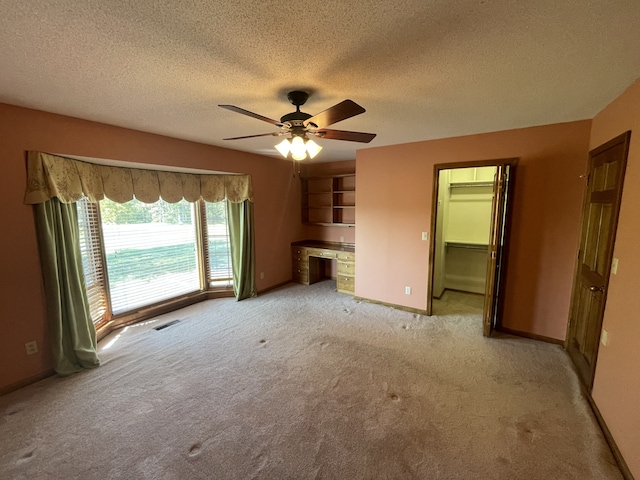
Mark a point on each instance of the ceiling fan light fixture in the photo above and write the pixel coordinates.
(284, 147)
(299, 147)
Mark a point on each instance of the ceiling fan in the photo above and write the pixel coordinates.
(300, 125)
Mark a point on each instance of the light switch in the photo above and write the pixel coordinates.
(425, 235)
(614, 266)
(604, 337)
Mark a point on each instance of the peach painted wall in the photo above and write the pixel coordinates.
(22, 316)
(616, 388)
(394, 193)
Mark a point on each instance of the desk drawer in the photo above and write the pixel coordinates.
(298, 262)
(345, 284)
(300, 259)
(300, 275)
(346, 256)
(346, 268)
(299, 251)
(321, 252)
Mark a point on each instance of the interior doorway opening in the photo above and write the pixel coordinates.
(469, 237)
(463, 222)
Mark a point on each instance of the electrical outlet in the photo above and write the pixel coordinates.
(407, 290)
(31, 347)
(425, 235)
(341, 239)
(261, 275)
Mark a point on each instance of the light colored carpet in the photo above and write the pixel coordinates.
(307, 383)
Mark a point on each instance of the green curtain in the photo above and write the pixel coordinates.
(73, 335)
(241, 238)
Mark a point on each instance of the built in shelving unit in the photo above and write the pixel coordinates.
(329, 201)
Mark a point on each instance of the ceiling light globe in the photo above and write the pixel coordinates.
(313, 148)
(298, 149)
(283, 147)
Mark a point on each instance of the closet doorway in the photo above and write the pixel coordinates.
(470, 214)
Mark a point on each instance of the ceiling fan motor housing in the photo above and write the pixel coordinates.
(298, 97)
(296, 119)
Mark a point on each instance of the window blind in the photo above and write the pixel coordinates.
(219, 249)
(150, 251)
(91, 254)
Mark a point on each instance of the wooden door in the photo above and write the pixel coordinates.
(495, 250)
(599, 221)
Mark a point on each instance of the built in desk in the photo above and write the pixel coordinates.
(309, 257)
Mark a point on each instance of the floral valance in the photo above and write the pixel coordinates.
(69, 180)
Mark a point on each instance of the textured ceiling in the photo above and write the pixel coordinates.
(423, 69)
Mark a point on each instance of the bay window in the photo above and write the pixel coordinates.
(135, 254)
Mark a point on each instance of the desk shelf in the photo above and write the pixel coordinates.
(329, 201)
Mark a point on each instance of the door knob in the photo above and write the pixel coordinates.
(595, 288)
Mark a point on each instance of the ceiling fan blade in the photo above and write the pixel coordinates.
(233, 108)
(274, 134)
(344, 135)
(337, 113)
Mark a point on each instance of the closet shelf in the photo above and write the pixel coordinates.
(470, 246)
(470, 184)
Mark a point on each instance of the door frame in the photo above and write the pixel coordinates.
(623, 139)
(508, 198)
